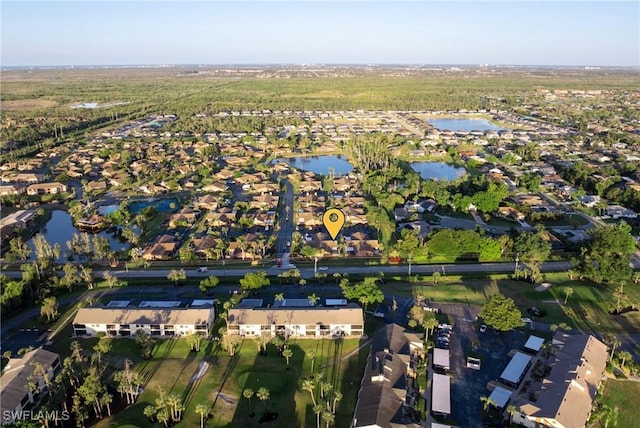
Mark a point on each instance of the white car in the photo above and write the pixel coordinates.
(291, 266)
(483, 328)
(323, 268)
(202, 269)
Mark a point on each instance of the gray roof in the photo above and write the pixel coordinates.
(180, 316)
(567, 393)
(380, 401)
(14, 380)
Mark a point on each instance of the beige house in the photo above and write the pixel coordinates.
(15, 394)
(308, 322)
(565, 397)
(46, 188)
(154, 321)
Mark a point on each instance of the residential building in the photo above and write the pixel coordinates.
(566, 394)
(15, 394)
(388, 390)
(307, 322)
(155, 321)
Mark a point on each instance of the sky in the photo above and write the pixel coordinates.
(570, 33)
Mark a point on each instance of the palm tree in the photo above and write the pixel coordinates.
(248, 393)
(337, 397)
(279, 297)
(328, 417)
(312, 356)
(568, 291)
(612, 342)
(436, 276)
(263, 394)
(313, 299)
(287, 353)
(176, 275)
(202, 410)
(511, 409)
(309, 385)
(317, 409)
(624, 357)
(242, 244)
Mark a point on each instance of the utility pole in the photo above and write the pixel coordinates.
(515, 272)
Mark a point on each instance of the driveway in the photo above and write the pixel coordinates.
(468, 385)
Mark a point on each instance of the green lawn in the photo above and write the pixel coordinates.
(623, 395)
(587, 308)
(173, 365)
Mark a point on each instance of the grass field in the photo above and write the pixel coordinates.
(173, 366)
(623, 395)
(587, 308)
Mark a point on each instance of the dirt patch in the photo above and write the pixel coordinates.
(19, 105)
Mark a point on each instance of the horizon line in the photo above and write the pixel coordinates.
(315, 64)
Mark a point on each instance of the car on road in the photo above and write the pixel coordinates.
(202, 269)
(291, 266)
(323, 268)
(483, 328)
(288, 243)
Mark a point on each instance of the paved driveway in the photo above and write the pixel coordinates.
(468, 385)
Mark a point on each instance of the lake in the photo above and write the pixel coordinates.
(319, 164)
(463, 125)
(60, 229)
(437, 170)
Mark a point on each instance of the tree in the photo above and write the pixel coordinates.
(501, 313)
(202, 409)
(312, 357)
(318, 409)
(568, 291)
(409, 245)
(110, 279)
(313, 299)
(612, 341)
(248, 394)
(436, 276)
(209, 283)
(49, 308)
(176, 275)
(287, 353)
(511, 409)
(254, 281)
(279, 297)
(309, 385)
(263, 394)
(366, 292)
(145, 342)
(86, 275)
(19, 248)
(624, 357)
(102, 347)
(70, 276)
(430, 322)
(328, 417)
(608, 254)
(533, 249)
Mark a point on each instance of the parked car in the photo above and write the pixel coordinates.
(483, 328)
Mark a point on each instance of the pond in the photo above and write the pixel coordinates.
(161, 205)
(437, 170)
(463, 125)
(60, 229)
(319, 164)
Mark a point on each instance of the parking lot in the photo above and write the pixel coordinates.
(468, 385)
(23, 339)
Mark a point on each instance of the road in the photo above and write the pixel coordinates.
(286, 223)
